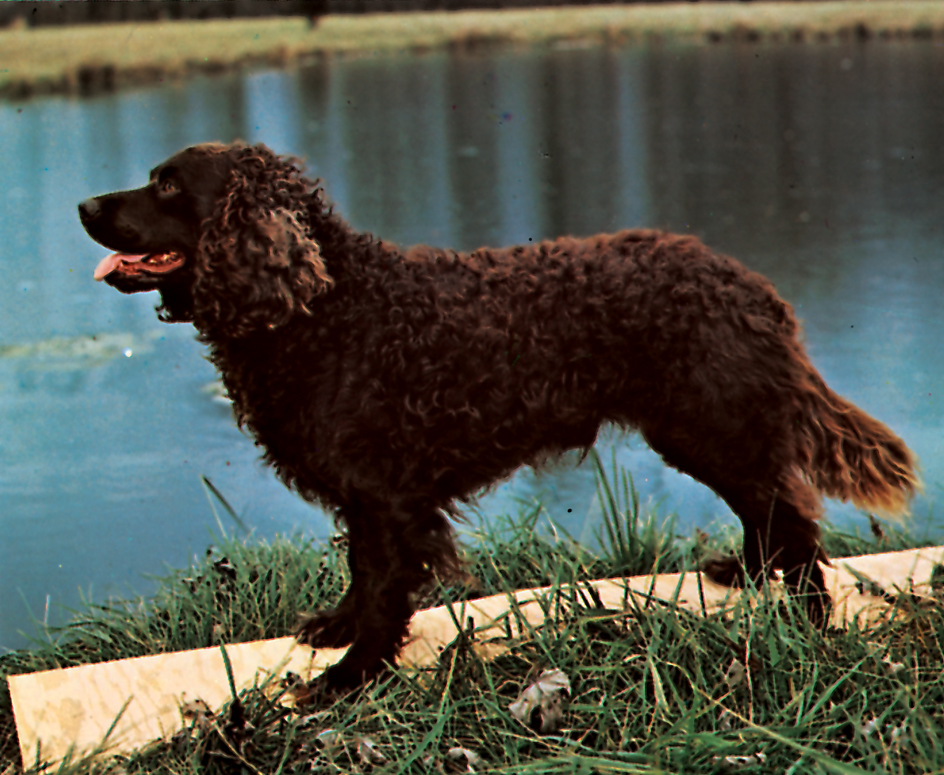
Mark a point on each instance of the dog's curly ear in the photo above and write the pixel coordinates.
(257, 267)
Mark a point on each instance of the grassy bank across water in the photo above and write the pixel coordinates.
(654, 690)
(92, 58)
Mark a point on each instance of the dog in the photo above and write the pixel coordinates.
(389, 384)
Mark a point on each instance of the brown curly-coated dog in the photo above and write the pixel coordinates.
(387, 383)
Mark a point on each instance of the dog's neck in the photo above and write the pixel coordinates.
(345, 251)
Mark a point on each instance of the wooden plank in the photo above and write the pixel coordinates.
(74, 707)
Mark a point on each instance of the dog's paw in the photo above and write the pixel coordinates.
(319, 693)
(809, 591)
(333, 684)
(327, 629)
(726, 571)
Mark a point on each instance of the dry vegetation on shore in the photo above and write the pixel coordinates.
(92, 58)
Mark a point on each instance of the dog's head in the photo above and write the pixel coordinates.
(222, 231)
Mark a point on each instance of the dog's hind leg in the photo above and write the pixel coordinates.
(778, 510)
(781, 531)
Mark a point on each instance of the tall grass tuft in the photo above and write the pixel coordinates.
(634, 544)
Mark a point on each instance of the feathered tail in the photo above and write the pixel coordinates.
(853, 457)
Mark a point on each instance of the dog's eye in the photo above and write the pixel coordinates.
(168, 186)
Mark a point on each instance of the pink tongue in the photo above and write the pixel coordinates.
(108, 264)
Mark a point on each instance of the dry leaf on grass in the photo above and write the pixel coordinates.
(463, 760)
(541, 705)
(196, 712)
(367, 751)
(745, 761)
(736, 674)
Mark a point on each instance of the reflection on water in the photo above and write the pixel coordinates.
(820, 166)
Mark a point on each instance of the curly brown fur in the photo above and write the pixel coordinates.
(390, 383)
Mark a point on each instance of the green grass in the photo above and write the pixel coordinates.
(92, 57)
(652, 688)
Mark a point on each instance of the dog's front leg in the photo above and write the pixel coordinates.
(393, 553)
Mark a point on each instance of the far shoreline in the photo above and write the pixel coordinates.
(90, 59)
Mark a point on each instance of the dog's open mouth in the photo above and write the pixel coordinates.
(147, 264)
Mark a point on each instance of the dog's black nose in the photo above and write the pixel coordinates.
(89, 209)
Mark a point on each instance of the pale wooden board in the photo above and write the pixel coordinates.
(75, 707)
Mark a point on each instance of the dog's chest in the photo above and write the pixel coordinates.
(279, 386)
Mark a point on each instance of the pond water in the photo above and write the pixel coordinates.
(820, 166)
